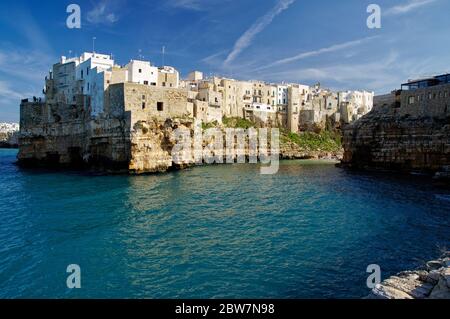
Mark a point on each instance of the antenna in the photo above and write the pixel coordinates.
(163, 55)
(93, 44)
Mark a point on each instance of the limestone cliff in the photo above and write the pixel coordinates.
(400, 139)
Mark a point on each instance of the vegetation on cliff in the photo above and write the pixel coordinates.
(327, 141)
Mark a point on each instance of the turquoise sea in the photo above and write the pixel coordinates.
(309, 231)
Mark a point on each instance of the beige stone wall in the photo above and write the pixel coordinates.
(168, 80)
(153, 102)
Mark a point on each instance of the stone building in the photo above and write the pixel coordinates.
(168, 77)
(427, 96)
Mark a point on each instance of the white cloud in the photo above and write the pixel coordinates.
(330, 49)
(102, 13)
(407, 7)
(246, 39)
(381, 75)
(195, 5)
(187, 4)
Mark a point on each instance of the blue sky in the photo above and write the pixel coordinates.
(273, 40)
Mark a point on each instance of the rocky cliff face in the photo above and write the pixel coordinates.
(400, 139)
(62, 136)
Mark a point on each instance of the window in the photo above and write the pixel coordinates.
(160, 106)
(164, 84)
(153, 84)
(143, 105)
(140, 70)
(143, 97)
(146, 82)
(87, 71)
(89, 86)
(81, 73)
(411, 100)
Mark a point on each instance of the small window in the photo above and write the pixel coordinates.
(143, 105)
(140, 70)
(160, 106)
(146, 82)
(164, 84)
(143, 97)
(87, 71)
(81, 73)
(411, 100)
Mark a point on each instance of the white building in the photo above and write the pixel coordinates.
(362, 101)
(7, 128)
(142, 72)
(283, 97)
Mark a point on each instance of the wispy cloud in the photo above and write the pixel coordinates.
(246, 39)
(408, 6)
(102, 13)
(195, 5)
(309, 54)
(382, 74)
(186, 4)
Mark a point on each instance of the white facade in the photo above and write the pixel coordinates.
(9, 127)
(261, 107)
(362, 101)
(91, 73)
(141, 72)
(283, 97)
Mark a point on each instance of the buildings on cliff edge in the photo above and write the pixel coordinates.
(94, 110)
(92, 80)
(9, 134)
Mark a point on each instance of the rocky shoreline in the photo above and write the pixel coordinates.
(432, 281)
